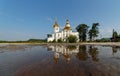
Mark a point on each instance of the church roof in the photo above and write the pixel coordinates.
(67, 26)
(56, 24)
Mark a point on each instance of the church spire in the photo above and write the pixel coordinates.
(56, 24)
(67, 21)
(67, 26)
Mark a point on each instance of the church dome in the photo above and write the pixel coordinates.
(56, 24)
(67, 26)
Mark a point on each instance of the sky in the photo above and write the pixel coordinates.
(26, 19)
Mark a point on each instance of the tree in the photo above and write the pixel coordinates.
(54, 41)
(90, 34)
(94, 31)
(72, 39)
(60, 40)
(119, 35)
(82, 29)
(115, 34)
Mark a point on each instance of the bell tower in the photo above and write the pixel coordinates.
(56, 27)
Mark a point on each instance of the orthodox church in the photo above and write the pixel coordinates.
(63, 34)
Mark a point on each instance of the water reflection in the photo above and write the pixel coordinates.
(94, 53)
(66, 51)
(115, 49)
(13, 47)
(61, 60)
(81, 52)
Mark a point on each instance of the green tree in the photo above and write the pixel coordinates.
(82, 29)
(115, 34)
(72, 39)
(54, 41)
(90, 34)
(94, 31)
(60, 40)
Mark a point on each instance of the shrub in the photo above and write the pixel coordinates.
(72, 39)
(59, 40)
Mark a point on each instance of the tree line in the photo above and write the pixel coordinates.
(83, 31)
(27, 41)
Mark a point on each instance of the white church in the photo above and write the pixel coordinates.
(63, 34)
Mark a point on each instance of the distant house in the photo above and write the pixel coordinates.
(63, 34)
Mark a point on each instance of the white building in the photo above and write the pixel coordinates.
(63, 34)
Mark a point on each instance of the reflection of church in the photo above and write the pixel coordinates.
(66, 51)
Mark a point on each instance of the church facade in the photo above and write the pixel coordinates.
(63, 34)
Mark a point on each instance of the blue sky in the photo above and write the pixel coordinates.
(25, 19)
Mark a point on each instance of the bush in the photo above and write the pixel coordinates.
(54, 41)
(59, 40)
(72, 39)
